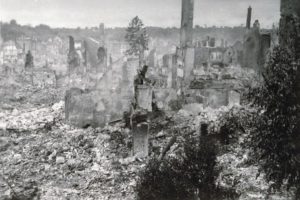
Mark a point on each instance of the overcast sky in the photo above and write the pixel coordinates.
(117, 13)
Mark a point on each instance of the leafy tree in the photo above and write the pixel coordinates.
(137, 38)
(13, 22)
(275, 135)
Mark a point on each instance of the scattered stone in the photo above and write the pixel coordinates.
(17, 158)
(15, 112)
(140, 140)
(161, 134)
(128, 160)
(4, 143)
(3, 125)
(96, 167)
(72, 163)
(194, 108)
(60, 160)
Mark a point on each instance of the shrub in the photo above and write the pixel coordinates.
(231, 125)
(199, 165)
(175, 105)
(162, 181)
(184, 176)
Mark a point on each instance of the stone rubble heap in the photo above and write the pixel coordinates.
(44, 158)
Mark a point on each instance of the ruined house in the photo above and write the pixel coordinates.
(256, 45)
(11, 52)
(27, 44)
(203, 66)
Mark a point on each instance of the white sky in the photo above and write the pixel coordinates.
(117, 13)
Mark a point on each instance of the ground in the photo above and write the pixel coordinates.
(42, 157)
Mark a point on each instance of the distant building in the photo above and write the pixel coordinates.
(152, 59)
(117, 49)
(10, 52)
(27, 44)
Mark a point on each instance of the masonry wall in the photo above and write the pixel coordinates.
(251, 49)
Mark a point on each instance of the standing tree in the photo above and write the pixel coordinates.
(275, 137)
(137, 38)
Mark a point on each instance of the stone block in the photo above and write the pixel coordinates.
(141, 140)
(234, 98)
(81, 109)
(144, 98)
(216, 98)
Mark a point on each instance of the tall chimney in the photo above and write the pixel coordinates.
(248, 23)
(187, 18)
(71, 44)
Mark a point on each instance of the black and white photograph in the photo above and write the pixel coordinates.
(149, 99)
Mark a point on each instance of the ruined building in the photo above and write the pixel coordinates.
(102, 59)
(87, 55)
(187, 51)
(256, 45)
(73, 57)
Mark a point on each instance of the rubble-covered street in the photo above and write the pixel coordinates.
(44, 158)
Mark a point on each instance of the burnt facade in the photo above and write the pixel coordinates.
(256, 45)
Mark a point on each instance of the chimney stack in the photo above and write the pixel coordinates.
(187, 18)
(248, 23)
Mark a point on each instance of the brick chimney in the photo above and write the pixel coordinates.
(248, 23)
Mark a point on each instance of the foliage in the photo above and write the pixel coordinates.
(162, 181)
(274, 136)
(231, 124)
(137, 37)
(199, 165)
(185, 176)
(175, 104)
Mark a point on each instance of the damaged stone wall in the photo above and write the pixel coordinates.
(107, 100)
(163, 96)
(251, 49)
(214, 93)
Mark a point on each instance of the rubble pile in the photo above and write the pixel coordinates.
(247, 180)
(31, 119)
(44, 158)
